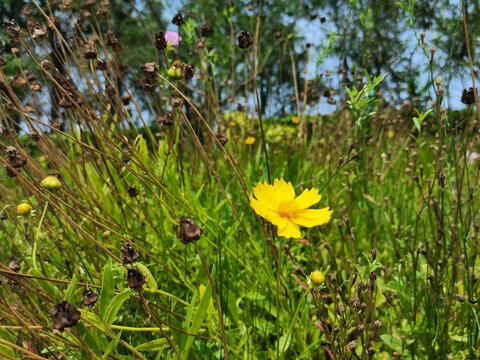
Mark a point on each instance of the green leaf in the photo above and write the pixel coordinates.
(154, 345)
(108, 291)
(112, 345)
(150, 283)
(70, 293)
(198, 319)
(4, 349)
(115, 305)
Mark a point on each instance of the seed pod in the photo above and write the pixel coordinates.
(206, 30)
(64, 315)
(129, 255)
(178, 19)
(150, 69)
(468, 96)
(51, 183)
(317, 277)
(160, 41)
(189, 231)
(14, 265)
(221, 138)
(89, 297)
(24, 209)
(245, 40)
(135, 279)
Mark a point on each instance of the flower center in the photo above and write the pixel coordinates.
(287, 209)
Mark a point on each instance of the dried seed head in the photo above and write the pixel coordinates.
(39, 32)
(245, 40)
(132, 191)
(178, 19)
(160, 42)
(129, 255)
(352, 345)
(135, 279)
(378, 324)
(3, 59)
(149, 84)
(206, 30)
(113, 42)
(166, 120)
(102, 13)
(14, 265)
(88, 3)
(187, 71)
(89, 50)
(15, 158)
(150, 69)
(12, 29)
(64, 315)
(189, 231)
(468, 96)
(221, 138)
(177, 101)
(89, 297)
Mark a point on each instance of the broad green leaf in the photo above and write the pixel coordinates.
(150, 283)
(108, 291)
(198, 319)
(70, 293)
(154, 345)
(115, 305)
(112, 345)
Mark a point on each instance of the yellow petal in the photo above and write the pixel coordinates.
(308, 198)
(313, 217)
(286, 227)
(283, 191)
(266, 194)
(259, 208)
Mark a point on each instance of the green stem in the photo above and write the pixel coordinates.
(37, 234)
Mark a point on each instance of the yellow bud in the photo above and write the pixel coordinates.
(24, 209)
(174, 73)
(51, 183)
(317, 277)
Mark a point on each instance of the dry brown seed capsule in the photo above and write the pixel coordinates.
(221, 138)
(187, 71)
(113, 42)
(89, 50)
(468, 96)
(177, 101)
(46, 64)
(66, 5)
(178, 19)
(150, 69)
(132, 191)
(89, 297)
(39, 32)
(3, 59)
(126, 99)
(14, 265)
(15, 158)
(12, 29)
(135, 279)
(378, 324)
(101, 64)
(88, 3)
(166, 120)
(102, 14)
(245, 40)
(352, 345)
(206, 30)
(189, 231)
(149, 84)
(129, 255)
(64, 315)
(160, 42)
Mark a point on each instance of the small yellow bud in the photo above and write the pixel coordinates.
(317, 277)
(51, 183)
(249, 140)
(174, 73)
(24, 209)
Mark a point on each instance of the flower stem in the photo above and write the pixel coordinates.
(37, 234)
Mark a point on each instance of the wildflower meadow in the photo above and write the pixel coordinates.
(239, 179)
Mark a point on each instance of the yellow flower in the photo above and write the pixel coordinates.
(42, 158)
(249, 140)
(389, 134)
(295, 119)
(277, 203)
